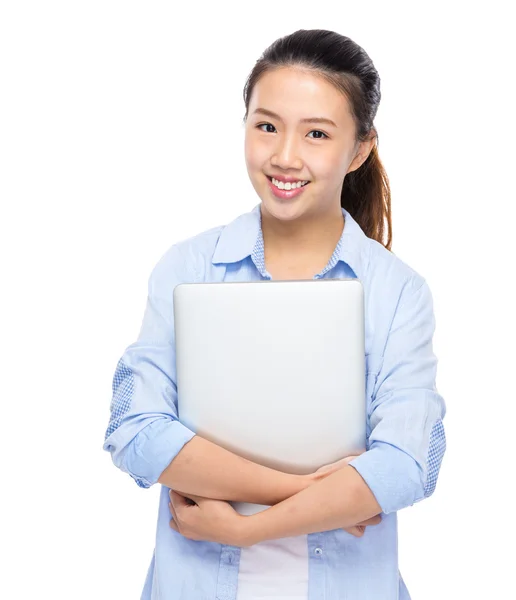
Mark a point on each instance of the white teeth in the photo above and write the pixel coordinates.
(288, 185)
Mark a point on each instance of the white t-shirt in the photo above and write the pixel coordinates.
(274, 570)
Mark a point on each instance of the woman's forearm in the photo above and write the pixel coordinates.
(340, 500)
(205, 469)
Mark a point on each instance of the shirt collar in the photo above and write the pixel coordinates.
(239, 239)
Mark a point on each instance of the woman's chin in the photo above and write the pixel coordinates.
(283, 210)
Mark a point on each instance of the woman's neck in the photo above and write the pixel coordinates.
(303, 237)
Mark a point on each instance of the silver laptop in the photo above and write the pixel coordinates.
(273, 371)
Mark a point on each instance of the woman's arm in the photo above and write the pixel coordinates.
(336, 499)
(340, 500)
(205, 469)
(407, 441)
(145, 436)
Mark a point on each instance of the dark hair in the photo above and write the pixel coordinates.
(365, 192)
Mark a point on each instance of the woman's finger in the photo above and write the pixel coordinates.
(356, 531)
(177, 500)
(172, 511)
(172, 507)
(174, 525)
(192, 499)
(335, 466)
(173, 520)
(373, 521)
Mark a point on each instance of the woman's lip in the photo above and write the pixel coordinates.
(285, 194)
(286, 179)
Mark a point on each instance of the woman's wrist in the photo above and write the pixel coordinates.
(247, 531)
(289, 485)
(301, 483)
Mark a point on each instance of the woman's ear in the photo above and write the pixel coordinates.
(362, 152)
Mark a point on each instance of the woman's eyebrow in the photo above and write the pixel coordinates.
(273, 115)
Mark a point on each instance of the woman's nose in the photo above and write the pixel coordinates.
(286, 155)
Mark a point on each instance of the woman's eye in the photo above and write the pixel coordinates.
(272, 129)
(322, 136)
(266, 125)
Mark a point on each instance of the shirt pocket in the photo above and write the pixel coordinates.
(373, 365)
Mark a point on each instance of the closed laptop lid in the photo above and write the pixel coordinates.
(274, 370)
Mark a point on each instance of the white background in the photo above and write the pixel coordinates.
(120, 134)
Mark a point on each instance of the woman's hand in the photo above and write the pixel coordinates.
(210, 520)
(205, 519)
(326, 470)
(357, 530)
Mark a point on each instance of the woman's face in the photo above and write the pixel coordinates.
(299, 127)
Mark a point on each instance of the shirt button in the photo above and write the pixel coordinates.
(318, 551)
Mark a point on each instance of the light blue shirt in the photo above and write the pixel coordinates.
(405, 435)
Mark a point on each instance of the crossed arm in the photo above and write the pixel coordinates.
(406, 447)
(406, 443)
(300, 504)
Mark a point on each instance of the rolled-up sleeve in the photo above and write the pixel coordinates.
(144, 433)
(407, 440)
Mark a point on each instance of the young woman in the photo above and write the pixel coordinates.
(312, 158)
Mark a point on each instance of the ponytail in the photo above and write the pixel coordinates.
(366, 196)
